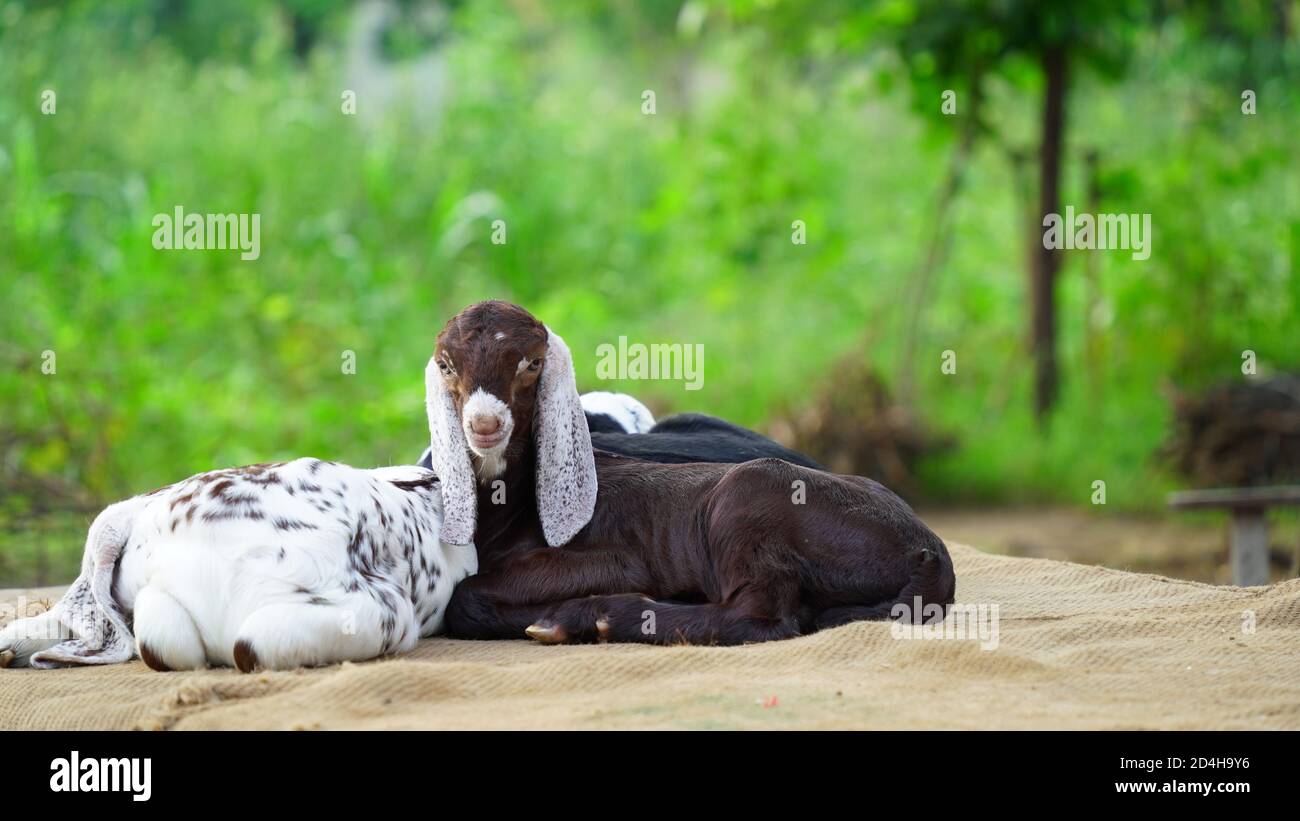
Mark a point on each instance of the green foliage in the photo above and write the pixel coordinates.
(670, 227)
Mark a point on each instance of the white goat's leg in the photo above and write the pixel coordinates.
(165, 634)
(301, 634)
(21, 638)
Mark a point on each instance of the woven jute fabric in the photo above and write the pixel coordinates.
(1076, 647)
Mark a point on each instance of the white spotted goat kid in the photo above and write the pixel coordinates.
(268, 566)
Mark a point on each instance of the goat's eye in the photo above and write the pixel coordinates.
(535, 365)
(443, 366)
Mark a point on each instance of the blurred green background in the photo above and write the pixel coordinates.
(667, 226)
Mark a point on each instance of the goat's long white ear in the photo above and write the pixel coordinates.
(566, 465)
(449, 454)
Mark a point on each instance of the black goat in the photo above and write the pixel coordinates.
(695, 552)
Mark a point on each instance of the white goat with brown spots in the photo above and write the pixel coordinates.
(273, 566)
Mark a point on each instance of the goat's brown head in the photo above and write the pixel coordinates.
(499, 382)
(490, 356)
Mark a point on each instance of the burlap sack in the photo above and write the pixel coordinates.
(1077, 647)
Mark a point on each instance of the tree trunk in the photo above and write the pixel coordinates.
(1092, 343)
(1047, 260)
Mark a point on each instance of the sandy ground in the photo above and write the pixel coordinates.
(1071, 646)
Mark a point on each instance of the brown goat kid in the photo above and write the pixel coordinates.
(579, 546)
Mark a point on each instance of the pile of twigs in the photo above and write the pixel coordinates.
(1240, 433)
(853, 426)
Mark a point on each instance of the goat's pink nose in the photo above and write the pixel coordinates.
(485, 424)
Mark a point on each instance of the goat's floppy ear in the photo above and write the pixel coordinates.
(566, 465)
(449, 454)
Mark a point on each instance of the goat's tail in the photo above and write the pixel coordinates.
(923, 599)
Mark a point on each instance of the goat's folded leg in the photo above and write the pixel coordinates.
(517, 593)
(551, 575)
(166, 636)
(477, 612)
(631, 617)
(585, 620)
(752, 608)
(324, 630)
(21, 638)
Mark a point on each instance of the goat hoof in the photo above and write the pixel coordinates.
(245, 657)
(547, 633)
(7, 657)
(602, 628)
